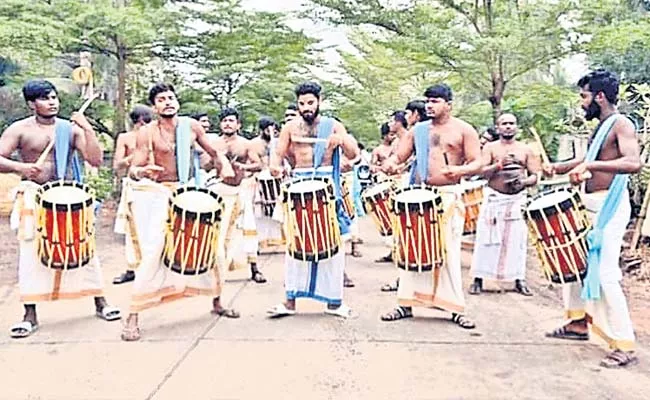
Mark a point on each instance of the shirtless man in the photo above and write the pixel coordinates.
(261, 144)
(510, 167)
(155, 159)
(384, 150)
(30, 137)
(204, 120)
(290, 113)
(451, 148)
(612, 154)
(124, 148)
(325, 281)
(240, 188)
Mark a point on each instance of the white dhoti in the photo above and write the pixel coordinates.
(441, 288)
(36, 282)
(322, 280)
(609, 316)
(155, 283)
(501, 237)
(237, 236)
(125, 225)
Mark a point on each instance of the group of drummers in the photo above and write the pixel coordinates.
(195, 205)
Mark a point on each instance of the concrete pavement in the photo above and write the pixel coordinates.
(186, 353)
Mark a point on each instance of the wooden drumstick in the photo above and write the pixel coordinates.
(563, 180)
(545, 158)
(46, 152)
(446, 159)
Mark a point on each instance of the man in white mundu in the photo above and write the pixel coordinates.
(316, 143)
(501, 233)
(613, 153)
(446, 149)
(48, 146)
(163, 161)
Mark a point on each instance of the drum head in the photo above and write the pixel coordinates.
(306, 186)
(197, 201)
(415, 196)
(549, 199)
(377, 188)
(65, 195)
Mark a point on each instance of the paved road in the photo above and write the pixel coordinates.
(187, 354)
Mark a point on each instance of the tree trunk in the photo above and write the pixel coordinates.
(498, 89)
(120, 109)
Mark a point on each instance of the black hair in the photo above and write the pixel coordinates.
(265, 122)
(308, 88)
(418, 106)
(197, 116)
(140, 112)
(160, 88)
(38, 89)
(385, 130)
(292, 106)
(227, 112)
(601, 80)
(440, 91)
(400, 116)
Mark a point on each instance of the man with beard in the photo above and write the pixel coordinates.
(322, 280)
(124, 148)
(32, 137)
(501, 233)
(238, 242)
(162, 162)
(613, 153)
(446, 149)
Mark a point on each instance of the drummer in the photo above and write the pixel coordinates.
(157, 169)
(446, 149)
(239, 243)
(140, 116)
(501, 234)
(322, 281)
(613, 153)
(30, 138)
(383, 151)
(269, 231)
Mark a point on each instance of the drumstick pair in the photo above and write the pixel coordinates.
(46, 152)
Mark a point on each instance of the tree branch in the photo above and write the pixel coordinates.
(464, 13)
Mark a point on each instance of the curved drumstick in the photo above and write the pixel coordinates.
(46, 152)
(563, 180)
(545, 158)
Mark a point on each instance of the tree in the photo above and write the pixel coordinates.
(487, 45)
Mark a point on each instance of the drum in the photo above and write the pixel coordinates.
(65, 224)
(346, 194)
(418, 236)
(269, 188)
(558, 223)
(310, 219)
(376, 203)
(192, 233)
(472, 198)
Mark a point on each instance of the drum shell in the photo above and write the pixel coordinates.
(472, 199)
(65, 228)
(378, 205)
(269, 190)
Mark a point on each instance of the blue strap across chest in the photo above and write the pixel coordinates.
(421, 142)
(186, 155)
(62, 145)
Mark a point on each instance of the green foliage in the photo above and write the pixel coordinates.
(101, 184)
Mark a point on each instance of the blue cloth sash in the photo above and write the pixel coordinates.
(186, 155)
(62, 139)
(421, 163)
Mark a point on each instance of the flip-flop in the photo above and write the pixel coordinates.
(563, 333)
(127, 276)
(619, 359)
(342, 311)
(22, 329)
(226, 312)
(258, 277)
(280, 311)
(109, 313)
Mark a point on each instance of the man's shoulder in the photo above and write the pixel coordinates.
(466, 126)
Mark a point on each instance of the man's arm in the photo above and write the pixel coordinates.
(628, 146)
(85, 140)
(9, 142)
(254, 163)
(120, 163)
(405, 149)
(472, 152)
(486, 161)
(347, 142)
(281, 149)
(534, 166)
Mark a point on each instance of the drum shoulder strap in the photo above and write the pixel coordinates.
(421, 142)
(325, 129)
(183, 148)
(62, 145)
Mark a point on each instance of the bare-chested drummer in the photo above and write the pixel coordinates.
(446, 149)
(383, 150)
(321, 281)
(140, 116)
(157, 170)
(501, 242)
(30, 137)
(613, 153)
(239, 241)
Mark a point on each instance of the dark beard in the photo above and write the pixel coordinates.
(167, 116)
(266, 137)
(229, 133)
(593, 111)
(508, 137)
(312, 117)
